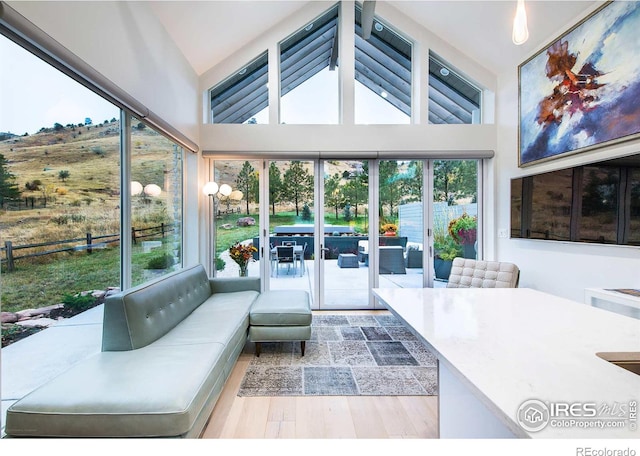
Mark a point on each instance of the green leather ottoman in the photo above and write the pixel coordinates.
(280, 316)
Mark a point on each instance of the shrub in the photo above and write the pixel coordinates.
(33, 185)
(306, 212)
(60, 219)
(61, 191)
(78, 302)
(163, 261)
(219, 264)
(98, 150)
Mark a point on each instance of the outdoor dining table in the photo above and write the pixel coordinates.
(298, 253)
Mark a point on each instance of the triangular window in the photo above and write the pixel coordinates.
(244, 97)
(383, 66)
(308, 82)
(453, 99)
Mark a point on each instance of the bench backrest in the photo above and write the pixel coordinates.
(134, 318)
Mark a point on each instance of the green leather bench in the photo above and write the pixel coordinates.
(168, 348)
(280, 316)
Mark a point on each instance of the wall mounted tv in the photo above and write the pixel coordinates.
(597, 203)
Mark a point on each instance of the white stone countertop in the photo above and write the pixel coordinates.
(512, 345)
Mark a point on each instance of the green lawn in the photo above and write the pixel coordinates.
(34, 285)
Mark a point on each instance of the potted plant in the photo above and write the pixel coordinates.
(445, 251)
(463, 230)
(242, 254)
(389, 229)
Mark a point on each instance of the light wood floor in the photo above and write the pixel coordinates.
(330, 417)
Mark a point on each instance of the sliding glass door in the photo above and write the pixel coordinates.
(345, 277)
(338, 228)
(236, 217)
(455, 214)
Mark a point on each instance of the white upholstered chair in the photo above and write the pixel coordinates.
(467, 273)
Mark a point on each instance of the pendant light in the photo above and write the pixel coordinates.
(520, 31)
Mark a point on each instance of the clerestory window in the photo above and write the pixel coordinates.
(243, 97)
(308, 80)
(382, 72)
(453, 99)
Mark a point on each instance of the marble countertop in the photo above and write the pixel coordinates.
(509, 346)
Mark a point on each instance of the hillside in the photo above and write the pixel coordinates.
(88, 198)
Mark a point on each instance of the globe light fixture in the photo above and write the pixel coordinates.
(225, 190)
(210, 189)
(152, 190)
(136, 188)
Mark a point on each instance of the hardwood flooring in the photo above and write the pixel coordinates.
(324, 417)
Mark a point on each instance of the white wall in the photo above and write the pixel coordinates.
(561, 268)
(127, 44)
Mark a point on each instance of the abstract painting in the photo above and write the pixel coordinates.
(583, 90)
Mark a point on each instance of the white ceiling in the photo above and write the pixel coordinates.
(207, 32)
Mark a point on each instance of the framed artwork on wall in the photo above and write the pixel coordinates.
(583, 90)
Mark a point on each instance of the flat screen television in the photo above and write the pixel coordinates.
(597, 203)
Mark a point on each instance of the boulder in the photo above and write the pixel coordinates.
(246, 221)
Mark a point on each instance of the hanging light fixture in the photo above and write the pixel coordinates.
(520, 31)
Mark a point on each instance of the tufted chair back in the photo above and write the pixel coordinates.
(466, 273)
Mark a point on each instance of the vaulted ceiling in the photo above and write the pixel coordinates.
(207, 32)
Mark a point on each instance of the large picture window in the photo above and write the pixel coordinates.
(59, 191)
(62, 211)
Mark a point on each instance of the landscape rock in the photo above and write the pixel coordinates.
(25, 313)
(8, 317)
(246, 221)
(37, 322)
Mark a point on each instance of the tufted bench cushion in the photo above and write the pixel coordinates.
(280, 315)
(468, 273)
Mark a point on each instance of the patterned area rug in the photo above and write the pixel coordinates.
(356, 355)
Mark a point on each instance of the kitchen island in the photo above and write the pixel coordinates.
(516, 362)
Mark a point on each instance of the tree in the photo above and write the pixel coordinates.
(412, 182)
(390, 190)
(63, 175)
(333, 196)
(356, 190)
(454, 179)
(247, 183)
(57, 127)
(297, 184)
(8, 187)
(275, 186)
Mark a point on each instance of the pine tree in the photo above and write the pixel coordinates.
(8, 187)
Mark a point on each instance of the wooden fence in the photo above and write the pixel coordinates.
(87, 243)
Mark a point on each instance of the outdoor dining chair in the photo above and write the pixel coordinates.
(284, 255)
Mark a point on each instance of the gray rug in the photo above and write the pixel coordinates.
(360, 355)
